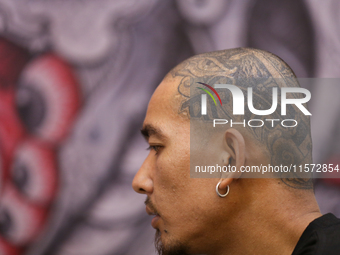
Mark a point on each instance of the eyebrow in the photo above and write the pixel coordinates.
(149, 130)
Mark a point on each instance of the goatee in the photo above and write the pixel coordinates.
(176, 248)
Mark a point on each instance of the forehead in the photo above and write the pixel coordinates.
(164, 105)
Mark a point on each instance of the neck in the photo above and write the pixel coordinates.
(269, 224)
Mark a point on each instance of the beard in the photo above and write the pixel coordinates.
(176, 248)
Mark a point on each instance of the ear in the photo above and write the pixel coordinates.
(234, 145)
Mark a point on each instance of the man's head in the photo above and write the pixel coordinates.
(191, 218)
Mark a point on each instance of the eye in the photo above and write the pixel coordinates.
(34, 172)
(20, 222)
(48, 97)
(155, 148)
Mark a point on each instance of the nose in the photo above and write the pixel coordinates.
(142, 182)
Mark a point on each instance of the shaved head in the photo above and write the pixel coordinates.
(227, 212)
(261, 70)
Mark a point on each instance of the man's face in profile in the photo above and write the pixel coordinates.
(192, 215)
(178, 202)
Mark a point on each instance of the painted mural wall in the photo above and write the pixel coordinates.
(75, 80)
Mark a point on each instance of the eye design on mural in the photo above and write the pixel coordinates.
(38, 105)
(20, 221)
(11, 134)
(48, 98)
(34, 172)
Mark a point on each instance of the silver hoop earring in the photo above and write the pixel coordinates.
(218, 193)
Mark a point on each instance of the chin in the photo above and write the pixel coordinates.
(169, 247)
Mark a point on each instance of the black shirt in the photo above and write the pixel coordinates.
(321, 237)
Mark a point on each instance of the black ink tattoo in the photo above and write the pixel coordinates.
(260, 70)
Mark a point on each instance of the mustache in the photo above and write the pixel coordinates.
(149, 204)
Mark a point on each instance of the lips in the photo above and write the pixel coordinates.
(155, 219)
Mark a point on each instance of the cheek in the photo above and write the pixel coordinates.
(178, 195)
(175, 193)
(183, 202)
(172, 169)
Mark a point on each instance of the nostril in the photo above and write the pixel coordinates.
(142, 184)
